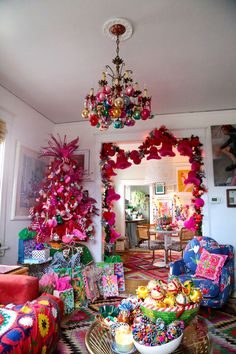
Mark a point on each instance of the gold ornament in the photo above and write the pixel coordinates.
(116, 112)
(119, 102)
(195, 295)
(85, 113)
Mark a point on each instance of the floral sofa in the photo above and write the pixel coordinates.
(215, 292)
(27, 325)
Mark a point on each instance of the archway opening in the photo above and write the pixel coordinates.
(158, 144)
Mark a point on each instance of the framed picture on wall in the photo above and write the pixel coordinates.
(182, 175)
(231, 198)
(224, 154)
(83, 159)
(160, 188)
(29, 172)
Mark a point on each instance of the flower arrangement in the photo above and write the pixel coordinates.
(159, 143)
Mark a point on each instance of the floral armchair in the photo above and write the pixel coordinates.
(215, 293)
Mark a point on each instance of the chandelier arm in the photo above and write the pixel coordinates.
(112, 71)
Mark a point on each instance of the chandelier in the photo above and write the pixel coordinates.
(118, 103)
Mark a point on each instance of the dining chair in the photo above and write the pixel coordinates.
(179, 241)
(147, 234)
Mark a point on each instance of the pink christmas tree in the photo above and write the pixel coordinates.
(63, 210)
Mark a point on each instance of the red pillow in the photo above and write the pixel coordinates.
(210, 265)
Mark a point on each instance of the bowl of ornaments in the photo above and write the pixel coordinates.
(132, 330)
(170, 300)
(156, 337)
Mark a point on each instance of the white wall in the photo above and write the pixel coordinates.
(219, 221)
(32, 130)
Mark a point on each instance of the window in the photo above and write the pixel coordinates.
(2, 151)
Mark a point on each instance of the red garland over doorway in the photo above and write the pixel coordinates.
(158, 144)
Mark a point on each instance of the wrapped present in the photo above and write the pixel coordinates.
(65, 292)
(78, 285)
(41, 254)
(119, 272)
(110, 286)
(25, 249)
(103, 268)
(67, 296)
(90, 281)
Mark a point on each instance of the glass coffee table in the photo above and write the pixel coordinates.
(195, 340)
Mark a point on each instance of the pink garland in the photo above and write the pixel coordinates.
(158, 144)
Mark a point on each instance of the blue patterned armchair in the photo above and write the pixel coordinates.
(215, 294)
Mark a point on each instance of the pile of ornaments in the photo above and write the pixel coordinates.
(117, 105)
(159, 294)
(150, 333)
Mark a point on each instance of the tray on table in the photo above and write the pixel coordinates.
(195, 340)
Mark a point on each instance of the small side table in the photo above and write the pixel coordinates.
(22, 271)
(13, 269)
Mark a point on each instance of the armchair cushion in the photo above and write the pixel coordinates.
(210, 265)
(194, 249)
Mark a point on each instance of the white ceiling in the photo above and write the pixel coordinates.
(53, 51)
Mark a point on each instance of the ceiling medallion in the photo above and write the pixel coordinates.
(118, 103)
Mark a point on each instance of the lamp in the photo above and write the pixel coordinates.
(121, 102)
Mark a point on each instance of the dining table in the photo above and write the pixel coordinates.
(167, 234)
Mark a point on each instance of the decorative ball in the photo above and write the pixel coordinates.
(129, 122)
(126, 100)
(101, 96)
(145, 114)
(116, 112)
(119, 102)
(118, 124)
(110, 101)
(136, 115)
(129, 91)
(94, 120)
(107, 89)
(85, 113)
(195, 295)
(106, 112)
(106, 104)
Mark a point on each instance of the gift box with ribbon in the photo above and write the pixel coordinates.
(41, 252)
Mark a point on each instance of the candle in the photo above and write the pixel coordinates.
(124, 339)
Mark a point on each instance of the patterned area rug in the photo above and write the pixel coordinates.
(222, 329)
(139, 266)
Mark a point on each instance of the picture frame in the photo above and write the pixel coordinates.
(182, 175)
(223, 156)
(83, 159)
(160, 188)
(231, 198)
(29, 171)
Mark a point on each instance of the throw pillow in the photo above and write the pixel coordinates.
(210, 265)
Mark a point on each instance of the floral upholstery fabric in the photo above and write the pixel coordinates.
(30, 328)
(215, 294)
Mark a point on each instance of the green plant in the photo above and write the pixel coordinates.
(139, 199)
